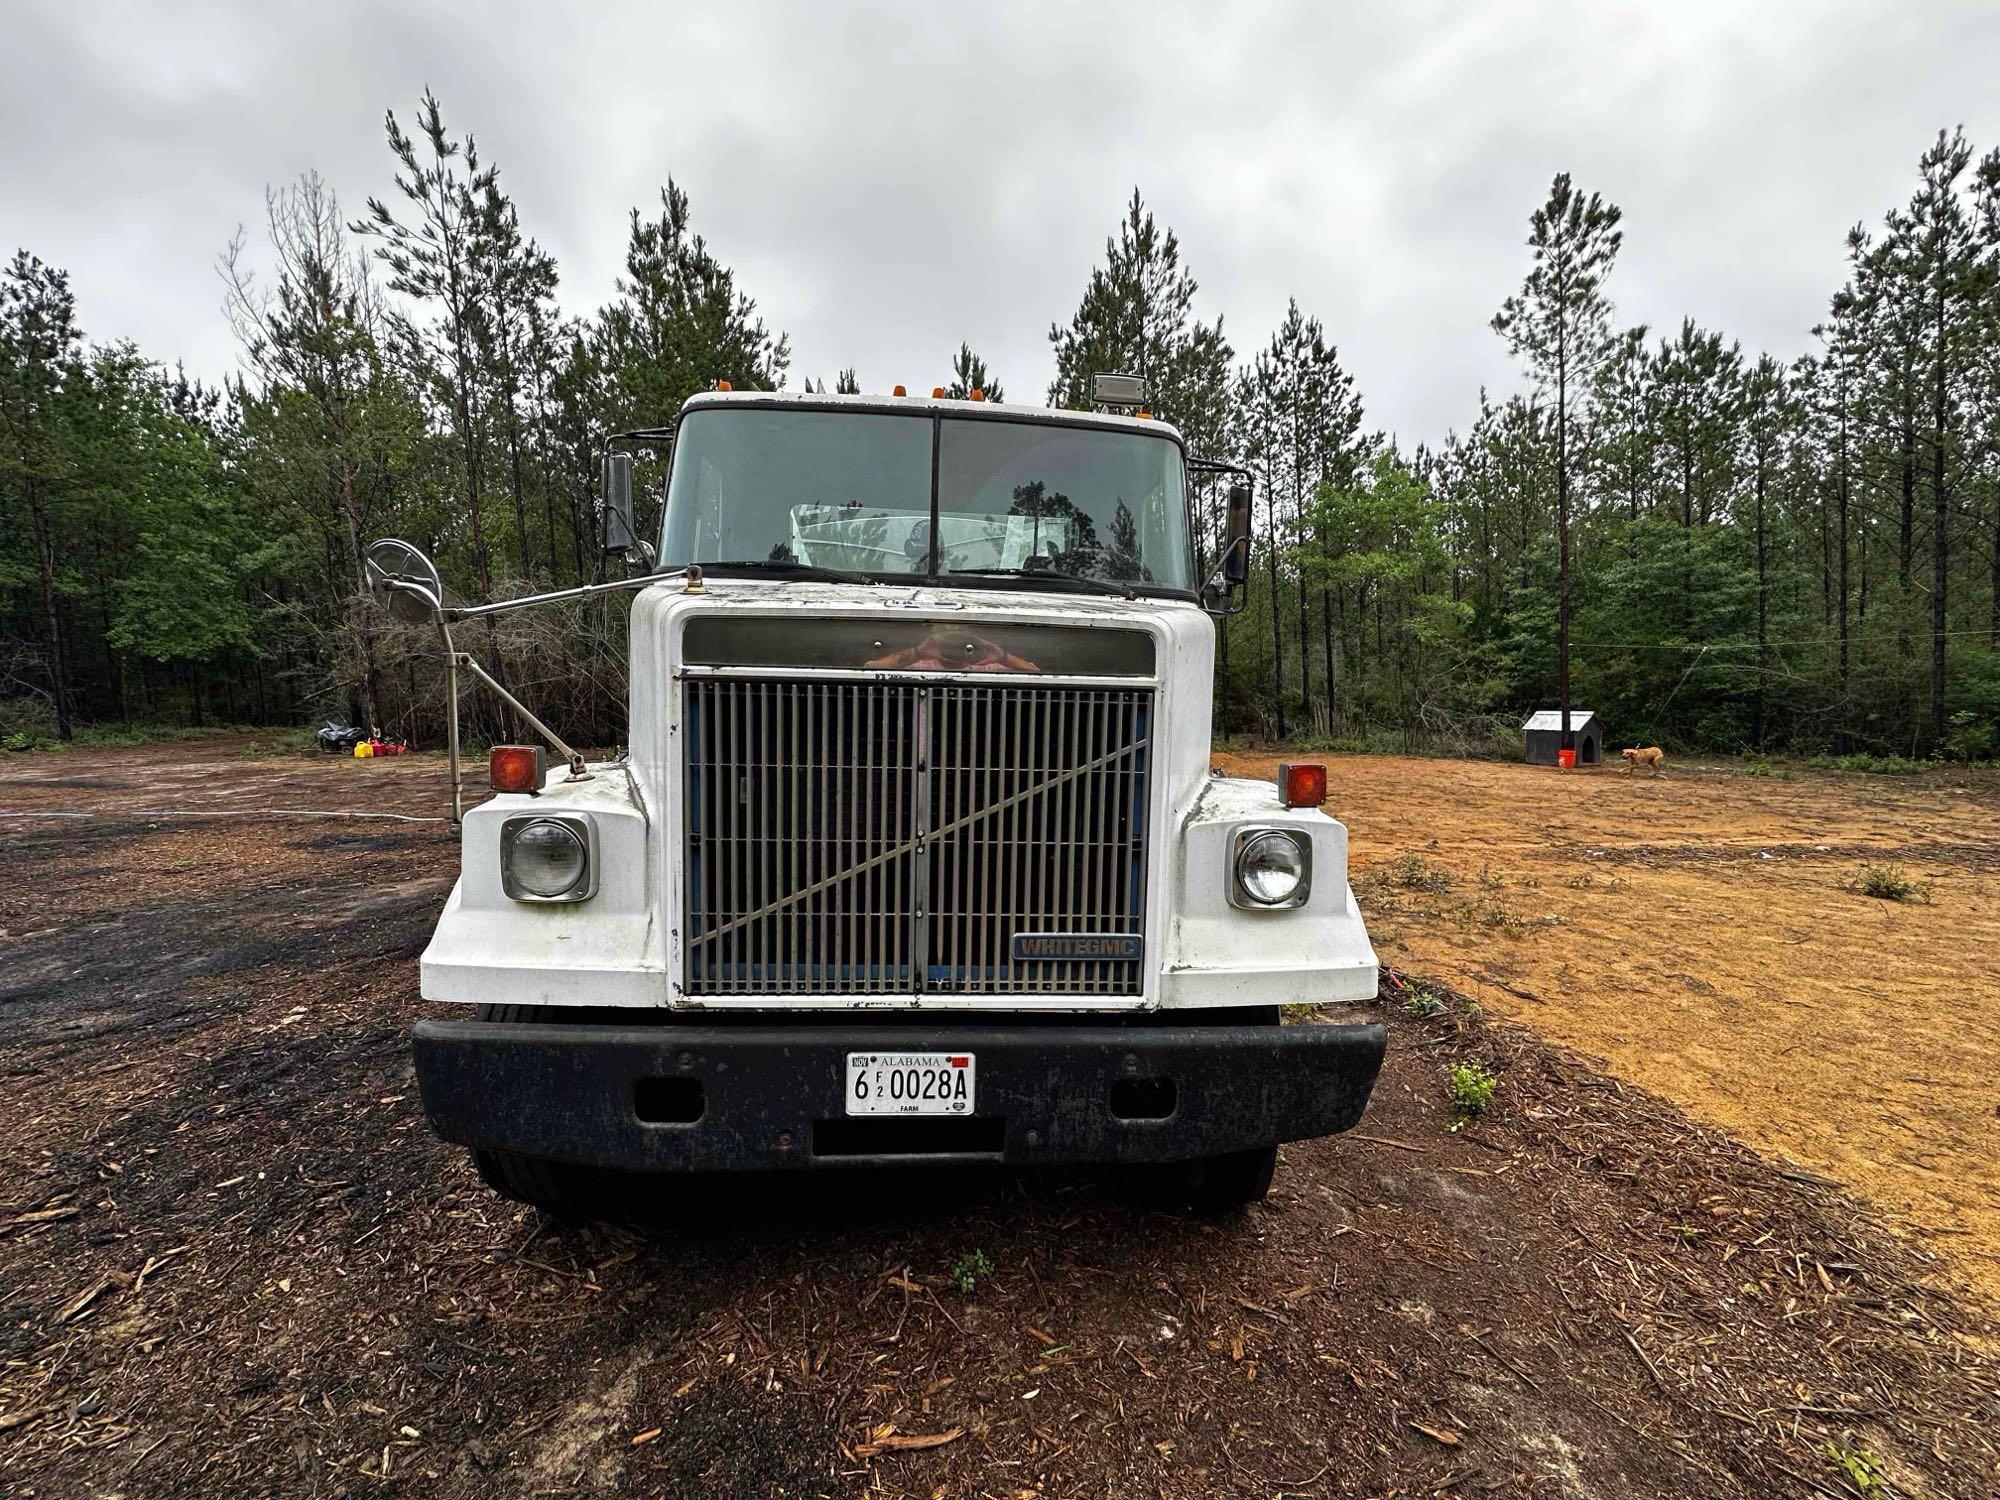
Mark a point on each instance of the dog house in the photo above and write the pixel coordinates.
(1543, 734)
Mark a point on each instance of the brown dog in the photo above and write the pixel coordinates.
(1652, 756)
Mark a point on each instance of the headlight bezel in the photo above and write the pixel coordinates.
(1240, 846)
(585, 885)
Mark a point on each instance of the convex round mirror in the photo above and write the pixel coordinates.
(404, 581)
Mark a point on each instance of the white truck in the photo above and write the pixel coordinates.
(916, 855)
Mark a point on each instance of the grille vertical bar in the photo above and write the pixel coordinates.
(892, 837)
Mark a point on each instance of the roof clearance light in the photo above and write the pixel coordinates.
(977, 396)
(723, 385)
(1144, 416)
(1118, 390)
(1302, 784)
(937, 393)
(899, 391)
(515, 768)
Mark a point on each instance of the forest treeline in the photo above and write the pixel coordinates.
(1743, 552)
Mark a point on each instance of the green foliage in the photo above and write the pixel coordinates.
(1412, 872)
(1137, 317)
(1862, 1469)
(1470, 1086)
(969, 374)
(968, 1270)
(1763, 556)
(1885, 883)
(1424, 1003)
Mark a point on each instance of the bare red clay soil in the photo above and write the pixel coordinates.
(234, 1261)
(1704, 934)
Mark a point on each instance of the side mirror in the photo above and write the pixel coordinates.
(1236, 544)
(621, 532)
(403, 581)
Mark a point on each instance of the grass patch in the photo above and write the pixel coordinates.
(125, 736)
(1872, 765)
(1412, 872)
(1886, 883)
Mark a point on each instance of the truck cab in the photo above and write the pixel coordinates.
(916, 855)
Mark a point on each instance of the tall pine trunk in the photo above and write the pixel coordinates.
(58, 666)
(1941, 514)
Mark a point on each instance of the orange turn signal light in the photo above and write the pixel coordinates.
(899, 391)
(515, 768)
(1302, 784)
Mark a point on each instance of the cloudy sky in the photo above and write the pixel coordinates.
(889, 180)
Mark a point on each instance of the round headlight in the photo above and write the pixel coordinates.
(547, 859)
(1269, 869)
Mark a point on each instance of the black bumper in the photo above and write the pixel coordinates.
(720, 1098)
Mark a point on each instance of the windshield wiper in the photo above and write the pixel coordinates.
(1043, 575)
(805, 572)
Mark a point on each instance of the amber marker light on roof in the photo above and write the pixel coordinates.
(937, 393)
(515, 768)
(899, 391)
(1302, 784)
(977, 396)
(723, 385)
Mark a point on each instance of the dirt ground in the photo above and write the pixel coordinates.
(1701, 933)
(233, 1260)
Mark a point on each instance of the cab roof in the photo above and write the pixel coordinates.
(943, 405)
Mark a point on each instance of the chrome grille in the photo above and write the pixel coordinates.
(867, 837)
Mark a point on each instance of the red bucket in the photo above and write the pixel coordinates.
(1566, 759)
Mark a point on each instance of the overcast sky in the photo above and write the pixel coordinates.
(889, 180)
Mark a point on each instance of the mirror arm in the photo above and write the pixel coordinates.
(451, 722)
(576, 766)
(557, 596)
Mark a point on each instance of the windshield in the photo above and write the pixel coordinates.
(852, 491)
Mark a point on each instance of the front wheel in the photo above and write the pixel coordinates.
(1218, 1184)
(556, 1188)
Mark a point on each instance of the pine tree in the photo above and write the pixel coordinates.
(679, 323)
(1137, 318)
(41, 351)
(969, 374)
(437, 261)
(1955, 280)
(1560, 325)
(324, 410)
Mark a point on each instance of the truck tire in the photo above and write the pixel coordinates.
(1220, 1184)
(558, 1189)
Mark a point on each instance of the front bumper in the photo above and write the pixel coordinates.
(773, 1096)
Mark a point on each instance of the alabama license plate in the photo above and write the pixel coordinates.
(909, 1083)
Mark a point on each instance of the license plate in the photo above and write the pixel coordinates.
(909, 1083)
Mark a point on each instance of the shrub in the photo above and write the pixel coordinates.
(1862, 1468)
(1471, 1087)
(967, 1269)
(1424, 1003)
